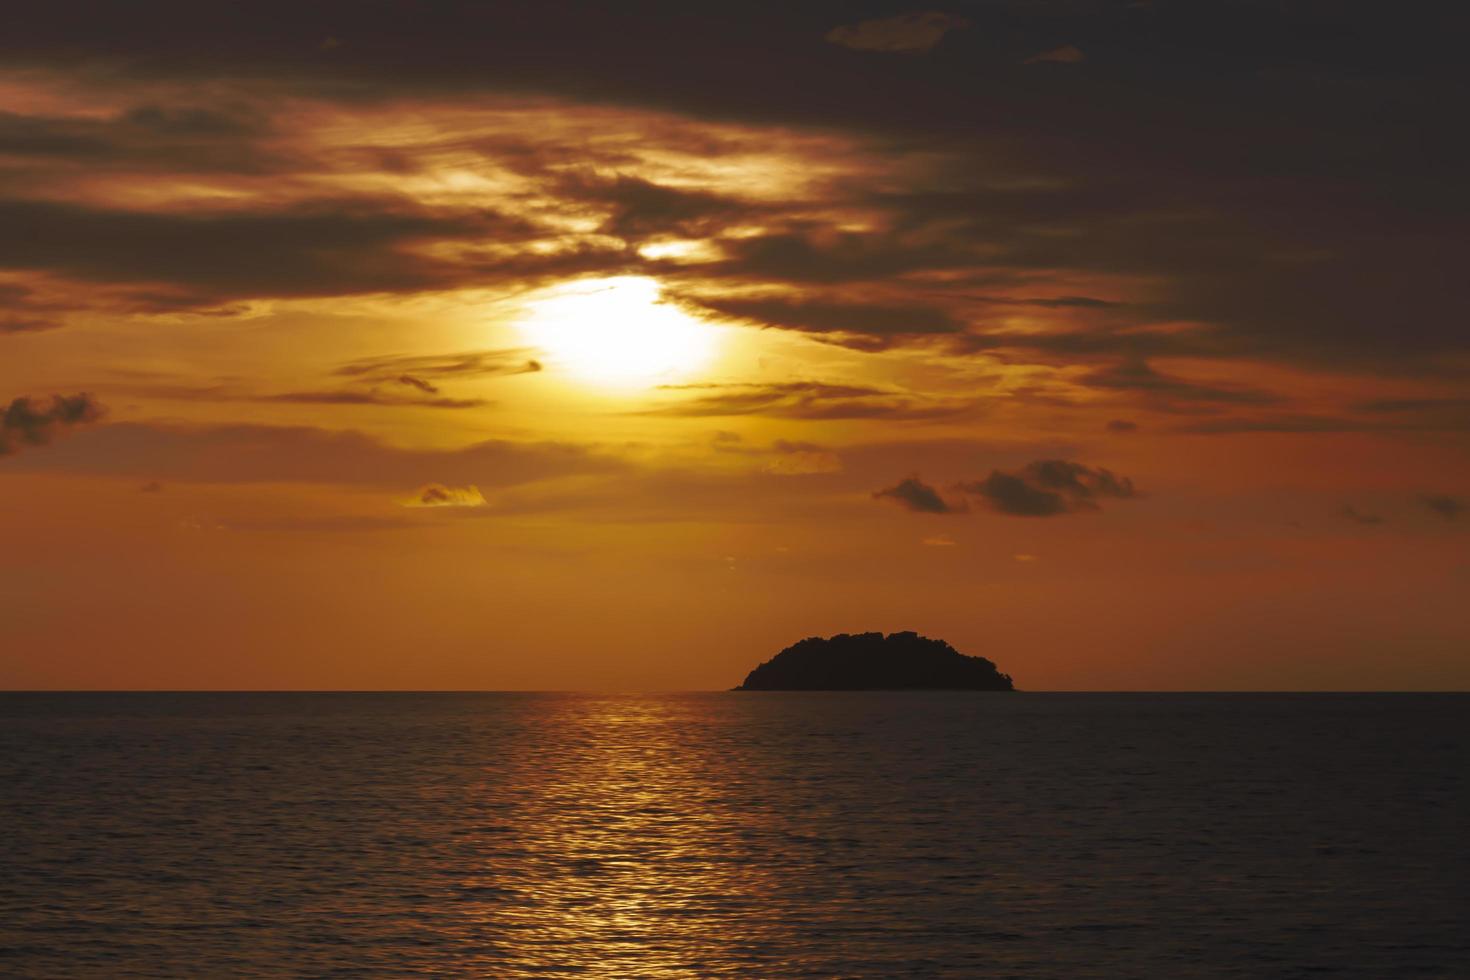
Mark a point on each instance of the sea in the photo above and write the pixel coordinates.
(763, 835)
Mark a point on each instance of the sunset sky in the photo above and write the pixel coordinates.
(558, 345)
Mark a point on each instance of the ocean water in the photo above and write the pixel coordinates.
(753, 835)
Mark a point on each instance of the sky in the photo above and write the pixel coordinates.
(553, 345)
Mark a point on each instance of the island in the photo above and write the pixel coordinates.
(874, 662)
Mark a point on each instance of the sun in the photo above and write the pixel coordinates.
(618, 332)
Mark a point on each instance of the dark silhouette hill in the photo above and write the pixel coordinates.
(874, 662)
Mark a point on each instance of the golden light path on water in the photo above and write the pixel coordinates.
(638, 857)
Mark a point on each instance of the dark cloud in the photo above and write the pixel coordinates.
(417, 383)
(1233, 425)
(1059, 303)
(414, 369)
(1121, 425)
(350, 397)
(811, 253)
(319, 249)
(806, 400)
(639, 208)
(1010, 494)
(438, 495)
(225, 138)
(21, 324)
(1420, 413)
(1444, 505)
(27, 422)
(1351, 513)
(1166, 393)
(1047, 488)
(867, 326)
(915, 495)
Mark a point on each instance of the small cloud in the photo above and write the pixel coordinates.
(416, 369)
(939, 541)
(1048, 487)
(419, 383)
(804, 464)
(1025, 559)
(1351, 513)
(151, 487)
(914, 33)
(913, 494)
(438, 495)
(1121, 425)
(26, 422)
(349, 396)
(1445, 506)
(1067, 54)
(801, 459)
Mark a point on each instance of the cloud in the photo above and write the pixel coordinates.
(25, 313)
(438, 495)
(1425, 413)
(1121, 426)
(801, 459)
(1167, 393)
(939, 541)
(914, 33)
(913, 494)
(414, 369)
(1235, 425)
(26, 422)
(807, 400)
(1351, 513)
(639, 208)
(22, 324)
(146, 137)
(1067, 54)
(1444, 505)
(1047, 488)
(333, 247)
(864, 325)
(419, 383)
(1286, 224)
(783, 457)
(374, 397)
(305, 454)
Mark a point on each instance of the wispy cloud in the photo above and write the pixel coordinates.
(915, 33)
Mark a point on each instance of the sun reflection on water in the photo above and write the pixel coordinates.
(636, 858)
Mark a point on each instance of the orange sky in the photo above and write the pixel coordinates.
(319, 380)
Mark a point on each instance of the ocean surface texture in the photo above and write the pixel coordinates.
(738, 834)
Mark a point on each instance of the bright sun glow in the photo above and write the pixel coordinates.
(618, 332)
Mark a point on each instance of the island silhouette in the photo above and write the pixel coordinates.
(874, 662)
